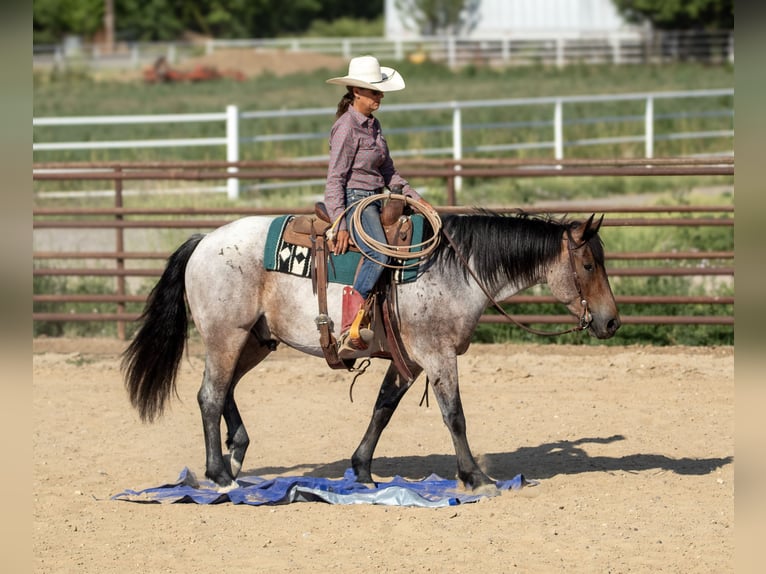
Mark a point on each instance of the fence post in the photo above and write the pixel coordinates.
(232, 149)
(451, 53)
(649, 127)
(558, 129)
(560, 60)
(120, 248)
(616, 50)
(457, 141)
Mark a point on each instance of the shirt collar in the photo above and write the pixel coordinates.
(359, 117)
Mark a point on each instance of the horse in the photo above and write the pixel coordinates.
(243, 311)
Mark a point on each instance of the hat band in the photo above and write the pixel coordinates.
(384, 78)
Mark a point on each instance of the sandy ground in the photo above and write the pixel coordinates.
(633, 446)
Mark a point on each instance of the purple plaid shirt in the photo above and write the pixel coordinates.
(359, 159)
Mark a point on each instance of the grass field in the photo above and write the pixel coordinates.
(77, 93)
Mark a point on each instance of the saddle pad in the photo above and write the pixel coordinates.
(284, 257)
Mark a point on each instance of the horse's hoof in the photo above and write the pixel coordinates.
(228, 488)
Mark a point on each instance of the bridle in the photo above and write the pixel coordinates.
(585, 318)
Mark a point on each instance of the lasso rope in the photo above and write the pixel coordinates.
(414, 253)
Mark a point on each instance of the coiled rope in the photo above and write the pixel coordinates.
(410, 256)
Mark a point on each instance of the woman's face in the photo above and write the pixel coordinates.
(367, 101)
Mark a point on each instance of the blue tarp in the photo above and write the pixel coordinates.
(433, 491)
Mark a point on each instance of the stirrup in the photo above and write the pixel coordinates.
(359, 335)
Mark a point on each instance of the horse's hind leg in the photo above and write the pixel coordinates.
(391, 392)
(237, 439)
(220, 366)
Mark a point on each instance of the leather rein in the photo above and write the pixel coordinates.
(585, 318)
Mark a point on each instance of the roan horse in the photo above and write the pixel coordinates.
(243, 311)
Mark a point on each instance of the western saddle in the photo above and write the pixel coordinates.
(311, 231)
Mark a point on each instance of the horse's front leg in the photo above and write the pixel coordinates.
(444, 381)
(392, 390)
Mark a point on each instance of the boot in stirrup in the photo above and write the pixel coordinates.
(356, 333)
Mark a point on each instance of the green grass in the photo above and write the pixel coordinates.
(77, 94)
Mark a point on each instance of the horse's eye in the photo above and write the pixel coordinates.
(588, 266)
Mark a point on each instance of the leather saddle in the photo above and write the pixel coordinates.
(310, 231)
(398, 227)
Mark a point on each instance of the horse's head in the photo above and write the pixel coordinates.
(579, 280)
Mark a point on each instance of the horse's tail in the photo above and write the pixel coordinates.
(150, 362)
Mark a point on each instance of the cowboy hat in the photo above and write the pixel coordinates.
(366, 72)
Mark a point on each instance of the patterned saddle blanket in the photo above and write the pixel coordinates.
(284, 254)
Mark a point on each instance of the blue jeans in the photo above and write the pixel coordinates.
(370, 271)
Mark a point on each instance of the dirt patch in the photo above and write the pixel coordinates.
(633, 447)
(240, 64)
(253, 62)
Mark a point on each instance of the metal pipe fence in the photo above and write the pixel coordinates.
(698, 264)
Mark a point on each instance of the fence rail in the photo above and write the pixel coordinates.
(559, 48)
(232, 120)
(700, 264)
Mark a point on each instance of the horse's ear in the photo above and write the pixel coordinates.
(584, 232)
(597, 226)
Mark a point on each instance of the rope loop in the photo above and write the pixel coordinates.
(410, 256)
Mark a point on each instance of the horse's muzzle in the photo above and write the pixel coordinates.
(605, 329)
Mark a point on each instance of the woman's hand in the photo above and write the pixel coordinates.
(340, 244)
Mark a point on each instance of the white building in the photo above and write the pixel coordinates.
(526, 19)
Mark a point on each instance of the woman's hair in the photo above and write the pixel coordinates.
(345, 102)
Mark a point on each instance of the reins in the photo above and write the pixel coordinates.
(584, 318)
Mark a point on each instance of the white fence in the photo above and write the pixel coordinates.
(550, 48)
(231, 119)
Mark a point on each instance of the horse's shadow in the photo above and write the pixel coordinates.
(539, 462)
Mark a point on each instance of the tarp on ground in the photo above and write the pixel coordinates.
(433, 491)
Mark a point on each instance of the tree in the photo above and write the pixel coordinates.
(167, 20)
(680, 14)
(54, 19)
(439, 17)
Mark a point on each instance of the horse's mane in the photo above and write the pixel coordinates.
(515, 246)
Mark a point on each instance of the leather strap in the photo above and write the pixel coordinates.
(326, 340)
(392, 334)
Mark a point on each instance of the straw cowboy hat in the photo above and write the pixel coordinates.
(366, 72)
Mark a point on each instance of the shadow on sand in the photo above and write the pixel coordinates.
(539, 462)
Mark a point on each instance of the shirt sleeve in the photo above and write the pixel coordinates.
(342, 152)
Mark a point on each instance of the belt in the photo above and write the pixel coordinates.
(362, 193)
